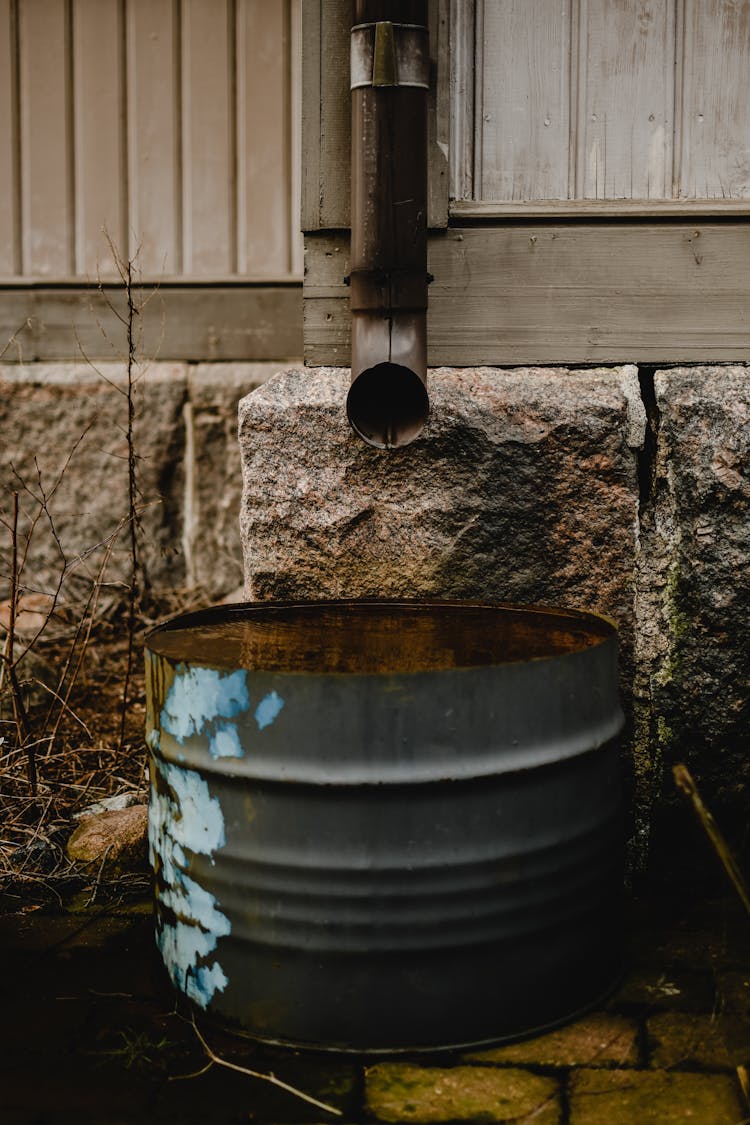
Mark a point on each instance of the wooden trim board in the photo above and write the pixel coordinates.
(64, 323)
(576, 292)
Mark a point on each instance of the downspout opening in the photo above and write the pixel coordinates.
(387, 405)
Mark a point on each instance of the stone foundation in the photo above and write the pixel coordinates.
(188, 470)
(583, 488)
(532, 485)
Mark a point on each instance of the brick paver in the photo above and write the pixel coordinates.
(657, 1097)
(715, 1042)
(400, 1092)
(600, 1039)
(89, 1007)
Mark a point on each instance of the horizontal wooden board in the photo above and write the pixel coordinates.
(555, 210)
(564, 293)
(190, 322)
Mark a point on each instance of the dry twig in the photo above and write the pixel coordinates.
(217, 1060)
(685, 783)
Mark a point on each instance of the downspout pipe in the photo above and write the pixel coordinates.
(387, 402)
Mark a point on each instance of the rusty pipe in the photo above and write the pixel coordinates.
(387, 404)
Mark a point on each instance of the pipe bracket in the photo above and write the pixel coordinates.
(388, 291)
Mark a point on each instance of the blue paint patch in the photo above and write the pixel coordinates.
(268, 709)
(153, 738)
(200, 695)
(225, 742)
(185, 821)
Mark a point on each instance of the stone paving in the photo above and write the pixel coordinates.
(91, 1034)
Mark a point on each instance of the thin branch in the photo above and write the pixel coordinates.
(26, 324)
(685, 783)
(88, 618)
(274, 1081)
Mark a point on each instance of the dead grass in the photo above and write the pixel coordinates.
(85, 762)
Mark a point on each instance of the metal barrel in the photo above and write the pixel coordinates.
(383, 826)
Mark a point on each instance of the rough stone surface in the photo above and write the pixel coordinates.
(54, 411)
(617, 1097)
(118, 839)
(489, 502)
(402, 1092)
(601, 1039)
(694, 642)
(213, 480)
(714, 1042)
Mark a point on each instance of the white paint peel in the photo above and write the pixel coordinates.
(225, 742)
(198, 698)
(185, 819)
(268, 709)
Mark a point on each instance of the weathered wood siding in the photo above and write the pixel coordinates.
(599, 164)
(607, 99)
(172, 124)
(326, 114)
(560, 293)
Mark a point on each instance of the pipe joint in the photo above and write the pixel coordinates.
(390, 54)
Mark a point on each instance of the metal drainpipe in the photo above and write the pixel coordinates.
(387, 402)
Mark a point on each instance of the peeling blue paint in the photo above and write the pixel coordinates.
(268, 709)
(187, 821)
(153, 738)
(225, 742)
(200, 695)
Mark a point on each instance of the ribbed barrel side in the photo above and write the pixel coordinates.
(403, 861)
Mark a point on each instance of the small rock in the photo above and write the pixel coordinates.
(116, 839)
(110, 804)
(32, 612)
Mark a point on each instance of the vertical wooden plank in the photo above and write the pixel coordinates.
(326, 114)
(9, 202)
(47, 198)
(335, 114)
(208, 212)
(311, 112)
(524, 122)
(715, 141)
(626, 99)
(100, 177)
(263, 138)
(462, 69)
(439, 114)
(154, 157)
(295, 111)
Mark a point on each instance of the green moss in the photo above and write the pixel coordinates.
(665, 736)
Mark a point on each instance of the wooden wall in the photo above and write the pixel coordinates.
(173, 124)
(599, 167)
(609, 99)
